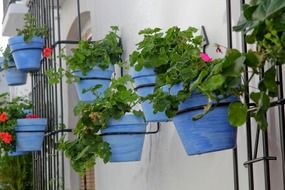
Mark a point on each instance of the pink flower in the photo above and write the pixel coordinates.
(32, 116)
(205, 57)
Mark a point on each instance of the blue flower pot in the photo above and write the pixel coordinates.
(16, 153)
(27, 56)
(145, 81)
(1, 63)
(125, 147)
(93, 78)
(211, 133)
(15, 77)
(30, 141)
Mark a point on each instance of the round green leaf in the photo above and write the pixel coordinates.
(237, 113)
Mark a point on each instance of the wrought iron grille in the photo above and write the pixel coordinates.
(48, 164)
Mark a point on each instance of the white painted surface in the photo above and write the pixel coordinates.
(14, 18)
(164, 164)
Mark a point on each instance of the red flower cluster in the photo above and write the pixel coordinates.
(3, 117)
(47, 52)
(6, 137)
(32, 116)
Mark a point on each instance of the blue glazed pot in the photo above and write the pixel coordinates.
(143, 72)
(27, 56)
(211, 133)
(1, 62)
(30, 141)
(88, 81)
(16, 153)
(125, 147)
(15, 77)
(145, 81)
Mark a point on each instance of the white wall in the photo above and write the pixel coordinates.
(164, 164)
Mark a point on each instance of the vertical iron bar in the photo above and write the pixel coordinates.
(281, 119)
(55, 96)
(60, 91)
(230, 45)
(266, 161)
(256, 143)
(248, 122)
(85, 182)
(79, 19)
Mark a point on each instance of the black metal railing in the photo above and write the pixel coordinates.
(48, 164)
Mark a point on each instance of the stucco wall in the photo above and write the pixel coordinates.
(164, 164)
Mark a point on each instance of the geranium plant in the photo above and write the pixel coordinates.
(7, 55)
(31, 29)
(263, 23)
(175, 57)
(89, 145)
(10, 111)
(87, 55)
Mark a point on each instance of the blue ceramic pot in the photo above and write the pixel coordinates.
(145, 81)
(125, 147)
(1, 63)
(211, 133)
(30, 141)
(93, 78)
(27, 56)
(15, 77)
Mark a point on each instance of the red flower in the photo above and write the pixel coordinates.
(32, 116)
(47, 52)
(6, 137)
(3, 117)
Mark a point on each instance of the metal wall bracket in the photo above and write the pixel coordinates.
(133, 133)
(205, 41)
(50, 133)
(258, 160)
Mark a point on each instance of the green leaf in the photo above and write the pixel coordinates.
(237, 113)
(82, 153)
(252, 60)
(268, 82)
(274, 7)
(201, 76)
(213, 83)
(255, 96)
(236, 68)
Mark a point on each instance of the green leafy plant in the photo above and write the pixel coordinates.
(31, 29)
(175, 58)
(89, 145)
(89, 54)
(263, 24)
(16, 172)
(7, 55)
(218, 79)
(10, 111)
